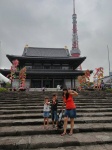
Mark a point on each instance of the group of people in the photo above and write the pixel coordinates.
(46, 110)
(69, 112)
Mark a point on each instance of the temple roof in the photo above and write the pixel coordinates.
(49, 72)
(65, 60)
(45, 52)
(12, 57)
(46, 55)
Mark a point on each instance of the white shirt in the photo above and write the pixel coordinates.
(46, 108)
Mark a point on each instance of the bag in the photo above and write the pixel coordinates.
(60, 121)
(60, 124)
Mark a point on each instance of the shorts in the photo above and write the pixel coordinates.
(54, 115)
(70, 113)
(46, 114)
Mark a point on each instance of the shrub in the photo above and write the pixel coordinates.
(8, 85)
(108, 90)
(3, 89)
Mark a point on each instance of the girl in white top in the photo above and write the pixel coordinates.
(46, 111)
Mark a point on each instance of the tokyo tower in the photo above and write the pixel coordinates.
(75, 52)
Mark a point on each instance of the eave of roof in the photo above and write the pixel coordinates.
(55, 71)
(12, 57)
(48, 72)
(71, 60)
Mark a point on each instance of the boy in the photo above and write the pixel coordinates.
(54, 104)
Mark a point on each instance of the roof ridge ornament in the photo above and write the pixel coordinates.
(66, 47)
(26, 46)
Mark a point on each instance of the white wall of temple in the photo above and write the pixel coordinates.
(73, 83)
(16, 83)
(68, 83)
(76, 83)
(28, 83)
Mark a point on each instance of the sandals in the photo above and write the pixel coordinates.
(63, 134)
(70, 134)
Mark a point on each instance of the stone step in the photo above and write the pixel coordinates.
(50, 96)
(40, 111)
(41, 107)
(87, 147)
(50, 93)
(11, 97)
(47, 93)
(21, 122)
(42, 98)
(33, 121)
(40, 115)
(82, 93)
(60, 99)
(35, 130)
(29, 96)
(59, 104)
(55, 140)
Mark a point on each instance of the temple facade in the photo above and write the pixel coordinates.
(47, 67)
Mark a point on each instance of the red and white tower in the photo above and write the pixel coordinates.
(75, 52)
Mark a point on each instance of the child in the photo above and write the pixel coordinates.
(46, 112)
(54, 104)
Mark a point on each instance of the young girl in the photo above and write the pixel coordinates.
(46, 112)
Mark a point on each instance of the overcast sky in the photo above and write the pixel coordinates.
(48, 23)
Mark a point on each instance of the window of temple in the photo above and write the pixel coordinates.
(47, 66)
(28, 65)
(58, 82)
(56, 66)
(65, 66)
(37, 66)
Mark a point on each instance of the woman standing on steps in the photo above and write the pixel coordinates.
(70, 111)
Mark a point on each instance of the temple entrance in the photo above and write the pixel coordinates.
(68, 83)
(35, 83)
(48, 83)
(58, 82)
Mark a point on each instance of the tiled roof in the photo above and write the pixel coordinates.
(73, 61)
(45, 52)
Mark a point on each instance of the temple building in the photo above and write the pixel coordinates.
(47, 67)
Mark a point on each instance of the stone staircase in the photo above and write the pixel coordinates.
(21, 122)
